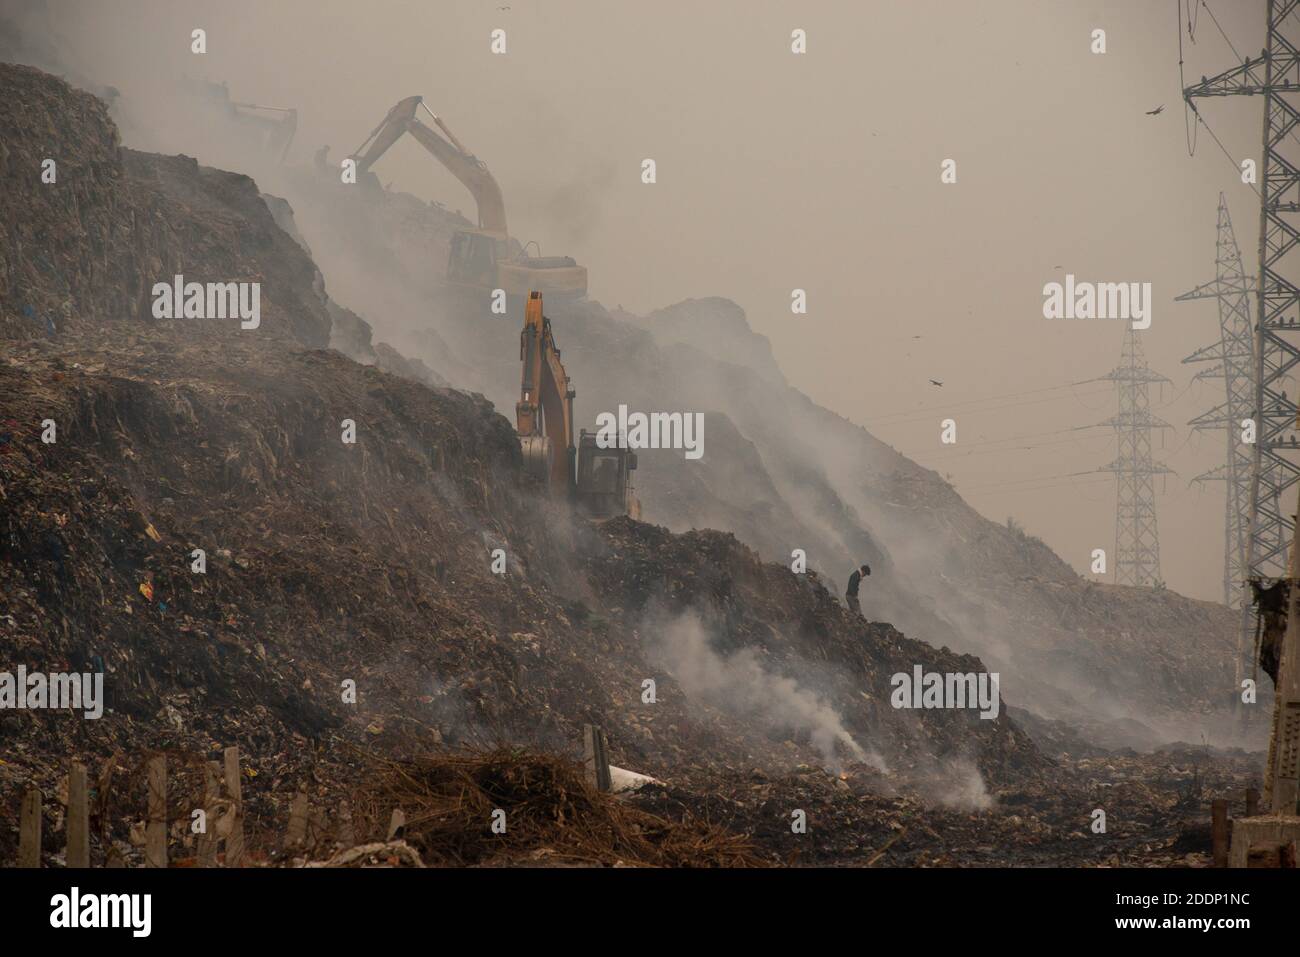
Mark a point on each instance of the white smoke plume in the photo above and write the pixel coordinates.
(739, 685)
(963, 789)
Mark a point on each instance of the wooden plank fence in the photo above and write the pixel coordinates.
(221, 800)
(220, 797)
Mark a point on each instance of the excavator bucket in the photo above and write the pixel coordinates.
(539, 456)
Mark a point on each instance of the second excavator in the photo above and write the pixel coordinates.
(598, 479)
(485, 258)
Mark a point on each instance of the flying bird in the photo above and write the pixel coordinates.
(936, 382)
(1157, 111)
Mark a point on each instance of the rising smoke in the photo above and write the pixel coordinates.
(739, 685)
(825, 474)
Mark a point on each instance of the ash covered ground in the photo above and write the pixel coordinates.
(370, 563)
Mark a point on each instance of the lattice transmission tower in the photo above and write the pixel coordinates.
(1273, 75)
(1234, 362)
(1137, 536)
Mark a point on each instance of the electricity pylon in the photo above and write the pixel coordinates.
(1137, 537)
(1234, 362)
(1275, 472)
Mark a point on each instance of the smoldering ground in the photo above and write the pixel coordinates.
(739, 685)
(826, 473)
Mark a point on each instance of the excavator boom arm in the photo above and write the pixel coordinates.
(388, 132)
(466, 167)
(545, 406)
(597, 478)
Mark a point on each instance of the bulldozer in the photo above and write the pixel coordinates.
(598, 480)
(485, 258)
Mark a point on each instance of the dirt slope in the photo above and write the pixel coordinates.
(369, 562)
(780, 472)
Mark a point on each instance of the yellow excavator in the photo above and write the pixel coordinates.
(275, 126)
(277, 131)
(598, 479)
(486, 257)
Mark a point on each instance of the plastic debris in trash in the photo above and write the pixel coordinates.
(7, 435)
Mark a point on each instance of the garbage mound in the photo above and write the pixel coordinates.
(258, 541)
(85, 249)
(744, 639)
(781, 472)
(183, 513)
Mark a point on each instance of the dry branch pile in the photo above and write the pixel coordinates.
(552, 815)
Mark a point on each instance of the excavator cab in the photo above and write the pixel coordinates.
(483, 260)
(473, 259)
(605, 479)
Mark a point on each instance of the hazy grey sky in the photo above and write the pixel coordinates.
(820, 172)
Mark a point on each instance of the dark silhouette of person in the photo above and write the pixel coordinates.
(851, 595)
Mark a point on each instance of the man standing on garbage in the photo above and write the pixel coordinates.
(851, 595)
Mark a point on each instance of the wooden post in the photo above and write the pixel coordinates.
(1252, 802)
(207, 842)
(1283, 781)
(155, 833)
(347, 835)
(29, 830)
(299, 808)
(397, 825)
(317, 824)
(1219, 832)
(235, 842)
(78, 821)
(595, 759)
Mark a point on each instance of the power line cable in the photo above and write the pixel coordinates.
(1221, 33)
(1189, 132)
(926, 414)
(953, 451)
(1034, 479)
(988, 398)
(1010, 450)
(993, 489)
(1235, 165)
